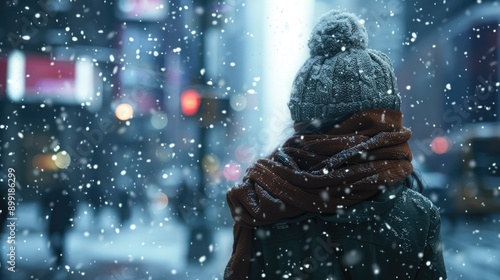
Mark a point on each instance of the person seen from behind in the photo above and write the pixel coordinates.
(339, 199)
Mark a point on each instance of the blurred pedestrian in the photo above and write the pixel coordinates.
(123, 206)
(95, 200)
(59, 206)
(337, 199)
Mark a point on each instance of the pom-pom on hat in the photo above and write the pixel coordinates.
(342, 76)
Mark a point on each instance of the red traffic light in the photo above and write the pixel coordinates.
(190, 102)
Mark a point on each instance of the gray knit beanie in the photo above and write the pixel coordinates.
(342, 76)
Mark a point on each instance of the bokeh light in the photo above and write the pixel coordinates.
(44, 162)
(245, 153)
(160, 201)
(211, 164)
(159, 120)
(62, 159)
(440, 145)
(232, 171)
(124, 111)
(238, 102)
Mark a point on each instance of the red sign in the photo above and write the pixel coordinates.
(33, 78)
(46, 77)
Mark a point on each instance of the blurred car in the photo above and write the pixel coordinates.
(472, 168)
(478, 189)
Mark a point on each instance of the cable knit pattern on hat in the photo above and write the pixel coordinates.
(342, 76)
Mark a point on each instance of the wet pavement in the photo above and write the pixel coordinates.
(472, 247)
(99, 250)
(158, 249)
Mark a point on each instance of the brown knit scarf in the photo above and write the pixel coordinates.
(318, 174)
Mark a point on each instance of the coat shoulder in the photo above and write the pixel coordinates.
(416, 202)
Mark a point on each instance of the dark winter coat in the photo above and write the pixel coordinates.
(344, 225)
(395, 235)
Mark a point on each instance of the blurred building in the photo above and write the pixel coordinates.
(96, 87)
(449, 81)
(164, 103)
(93, 89)
(449, 76)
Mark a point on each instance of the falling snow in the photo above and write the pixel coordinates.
(104, 154)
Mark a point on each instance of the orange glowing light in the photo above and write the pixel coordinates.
(124, 111)
(44, 162)
(190, 102)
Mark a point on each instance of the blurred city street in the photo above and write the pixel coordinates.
(139, 251)
(471, 248)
